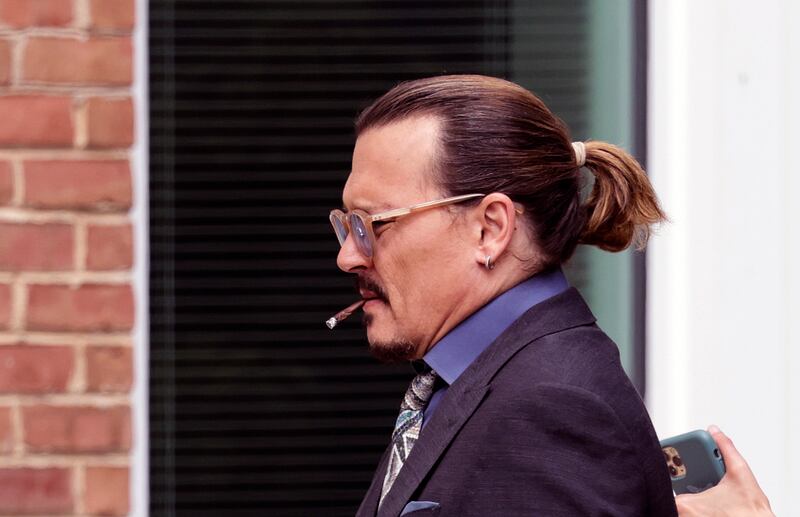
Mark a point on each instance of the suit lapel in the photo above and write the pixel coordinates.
(449, 417)
(369, 505)
(561, 312)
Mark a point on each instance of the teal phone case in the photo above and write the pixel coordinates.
(702, 463)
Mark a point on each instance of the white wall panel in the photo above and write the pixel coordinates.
(722, 285)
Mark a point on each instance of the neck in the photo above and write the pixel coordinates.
(484, 287)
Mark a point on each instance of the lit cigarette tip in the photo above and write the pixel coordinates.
(331, 323)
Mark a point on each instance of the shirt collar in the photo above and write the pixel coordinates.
(455, 352)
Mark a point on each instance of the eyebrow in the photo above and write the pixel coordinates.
(370, 209)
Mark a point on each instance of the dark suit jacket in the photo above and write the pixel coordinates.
(544, 422)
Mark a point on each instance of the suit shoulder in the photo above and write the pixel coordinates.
(581, 356)
(576, 363)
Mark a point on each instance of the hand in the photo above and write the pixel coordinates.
(738, 494)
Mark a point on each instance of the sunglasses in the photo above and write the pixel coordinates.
(359, 223)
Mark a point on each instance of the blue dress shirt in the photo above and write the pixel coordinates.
(461, 346)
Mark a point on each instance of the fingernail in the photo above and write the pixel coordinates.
(713, 429)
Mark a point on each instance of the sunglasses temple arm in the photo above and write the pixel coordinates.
(343, 314)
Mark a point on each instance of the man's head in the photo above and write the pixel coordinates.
(422, 277)
(451, 136)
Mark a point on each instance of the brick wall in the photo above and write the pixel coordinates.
(66, 302)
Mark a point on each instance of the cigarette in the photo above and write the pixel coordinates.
(344, 314)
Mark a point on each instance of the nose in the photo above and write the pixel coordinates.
(349, 258)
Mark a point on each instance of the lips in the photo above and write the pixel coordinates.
(370, 291)
(368, 295)
(370, 299)
(372, 303)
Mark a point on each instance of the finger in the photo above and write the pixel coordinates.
(689, 505)
(734, 461)
(684, 504)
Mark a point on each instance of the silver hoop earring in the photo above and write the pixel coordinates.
(488, 264)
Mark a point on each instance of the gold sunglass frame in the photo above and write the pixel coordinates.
(344, 219)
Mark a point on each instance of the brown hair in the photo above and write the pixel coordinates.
(496, 136)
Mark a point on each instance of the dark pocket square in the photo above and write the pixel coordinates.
(421, 508)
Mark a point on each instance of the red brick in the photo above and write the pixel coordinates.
(37, 491)
(109, 368)
(103, 61)
(36, 247)
(76, 429)
(110, 247)
(112, 15)
(35, 121)
(110, 122)
(35, 368)
(6, 183)
(5, 306)
(107, 491)
(6, 431)
(88, 308)
(83, 185)
(5, 62)
(35, 13)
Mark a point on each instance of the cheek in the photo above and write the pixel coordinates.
(421, 274)
(397, 274)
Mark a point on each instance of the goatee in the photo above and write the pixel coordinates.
(394, 352)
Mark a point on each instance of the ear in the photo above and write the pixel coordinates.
(496, 219)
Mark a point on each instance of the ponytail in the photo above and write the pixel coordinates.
(622, 205)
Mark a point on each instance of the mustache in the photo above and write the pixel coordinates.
(367, 284)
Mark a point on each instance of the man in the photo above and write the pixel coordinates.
(463, 200)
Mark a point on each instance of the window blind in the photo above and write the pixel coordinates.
(256, 408)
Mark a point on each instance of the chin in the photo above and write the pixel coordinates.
(388, 346)
(392, 352)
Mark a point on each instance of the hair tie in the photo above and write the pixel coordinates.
(580, 153)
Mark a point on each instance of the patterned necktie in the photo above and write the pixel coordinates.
(408, 425)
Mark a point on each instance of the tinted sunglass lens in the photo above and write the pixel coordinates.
(339, 228)
(361, 235)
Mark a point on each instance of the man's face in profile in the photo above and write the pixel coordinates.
(416, 275)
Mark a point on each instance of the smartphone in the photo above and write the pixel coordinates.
(694, 462)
